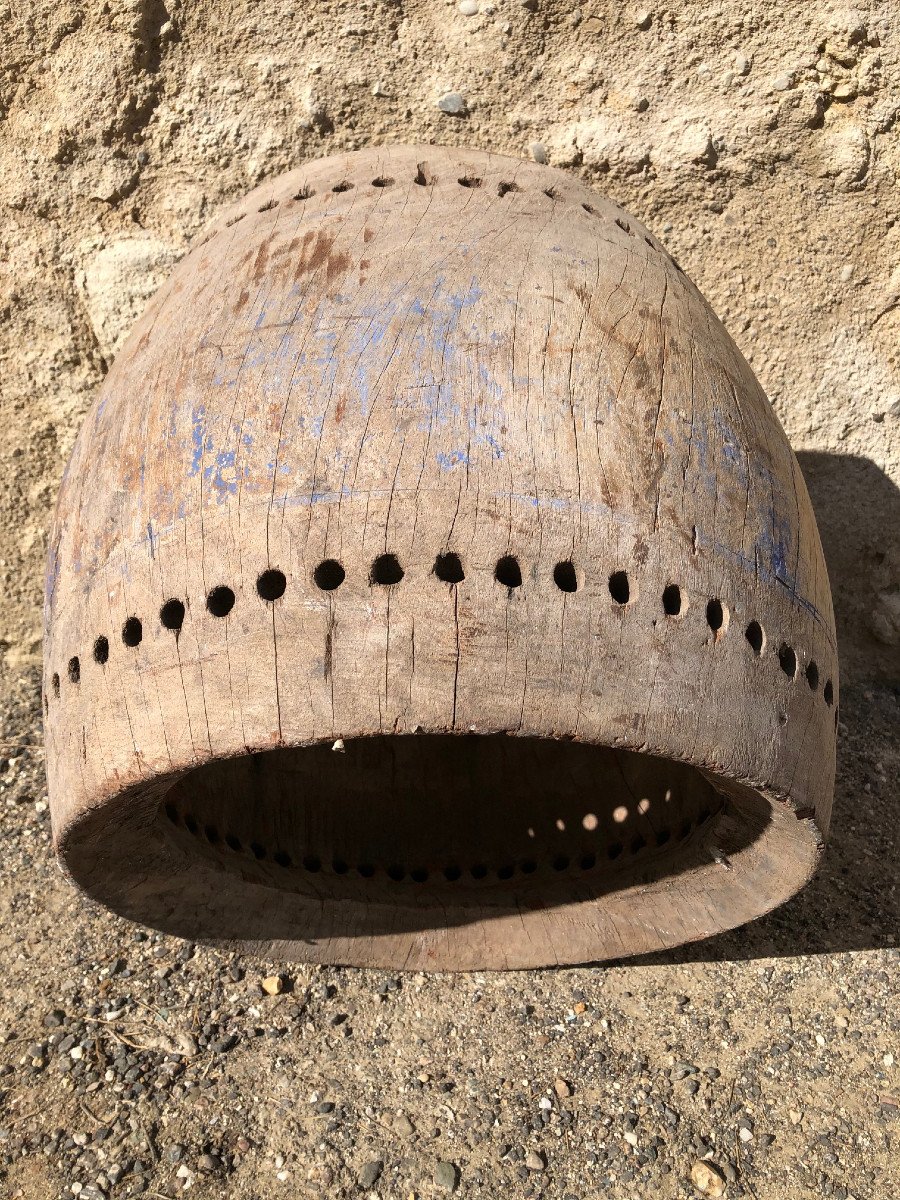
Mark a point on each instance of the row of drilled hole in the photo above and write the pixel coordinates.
(398, 872)
(504, 188)
(386, 571)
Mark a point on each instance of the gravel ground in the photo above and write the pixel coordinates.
(760, 1064)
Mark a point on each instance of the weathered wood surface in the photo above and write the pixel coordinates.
(414, 352)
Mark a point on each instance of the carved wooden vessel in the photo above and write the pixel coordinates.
(433, 586)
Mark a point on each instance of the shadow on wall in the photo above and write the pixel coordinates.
(858, 512)
(853, 903)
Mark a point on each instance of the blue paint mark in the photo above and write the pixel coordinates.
(455, 458)
(494, 445)
(201, 442)
(562, 504)
(773, 545)
(461, 300)
(213, 474)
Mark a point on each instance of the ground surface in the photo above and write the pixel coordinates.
(761, 143)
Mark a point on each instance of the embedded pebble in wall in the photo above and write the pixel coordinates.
(453, 104)
(846, 90)
(468, 8)
(538, 152)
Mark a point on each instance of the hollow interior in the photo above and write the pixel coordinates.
(482, 819)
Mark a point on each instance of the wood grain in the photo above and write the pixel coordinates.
(476, 356)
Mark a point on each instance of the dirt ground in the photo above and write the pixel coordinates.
(761, 143)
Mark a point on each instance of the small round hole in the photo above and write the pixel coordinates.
(74, 670)
(565, 576)
(339, 866)
(305, 193)
(423, 176)
(448, 568)
(623, 225)
(268, 206)
(508, 572)
(561, 862)
(271, 584)
(588, 209)
(282, 858)
(528, 867)
(132, 631)
(172, 814)
(504, 189)
(684, 830)
(614, 850)
(662, 837)
(812, 676)
(756, 636)
(172, 615)
(638, 843)
(220, 601)
(396, 872)
(101, 649)
(258, 850)
(788, 660)
(344, 186)
(451, 874)
(312, 863)
(382, 181)
(233, 843)
(715, 615)
(419, 875)
(212, 834)
(671, 599)
(190, 823)
(328, 575)
(551, 193)
(588, 862)
(479, 871)
(386, 570)
(619, 587)
(470, 181)
(366, 870)
(505, 872)
(55, 683)
(827, 692)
